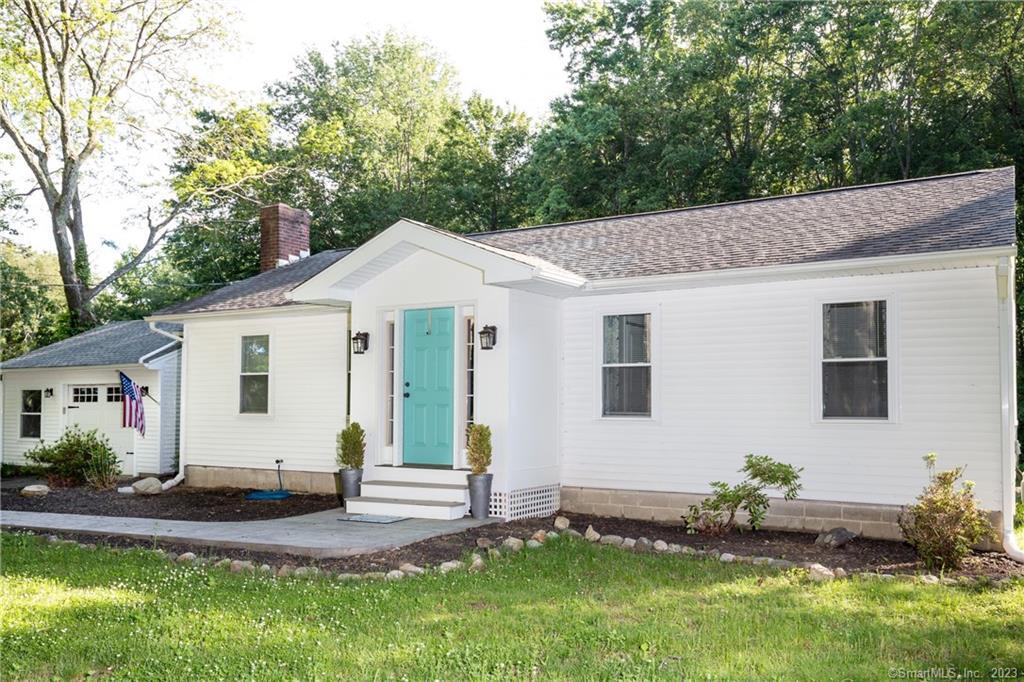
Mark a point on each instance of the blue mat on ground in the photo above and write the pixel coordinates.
(373, 518)
(268, 495)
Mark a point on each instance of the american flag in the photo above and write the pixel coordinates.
(132, 412)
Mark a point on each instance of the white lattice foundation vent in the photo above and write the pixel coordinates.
(526, 503)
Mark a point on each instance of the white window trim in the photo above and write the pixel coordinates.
(239, 374)
(21, 412)
(892, 349)
(653, 363)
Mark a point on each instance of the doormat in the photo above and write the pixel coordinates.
(373, 518)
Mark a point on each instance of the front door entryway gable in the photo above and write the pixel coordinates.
(428, 401)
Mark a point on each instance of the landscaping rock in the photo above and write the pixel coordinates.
(514, 544)
(237, 566)
(493, 554)
(835, 538)
(36, 490)
(411, 569)
(561, 523)
(819, 573)
(266, 568)
(761, 561)
(223, 563)
(674, 548)
(783, 564)
(171, 556)
(533, 544)
(744, 559)
(611, 540)
(476, 564)
(644, 545)
(186, 558)
(484, 543)
(572, 533)
(286, 570)
(552, 535)
(660, 546)
(374, 575)
(929, 579)
(839, 572)
(450, 566)
(592, 535)
(540, 536)
(629, 543)
(686, 549)
(148, 486)
(727, 558)
(348, 576)
(394, 575)
(306, 571)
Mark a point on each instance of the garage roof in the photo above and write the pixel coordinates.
(112, 344)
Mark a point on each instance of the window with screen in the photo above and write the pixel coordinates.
(254, 394)
(626, 365)
(855, 363)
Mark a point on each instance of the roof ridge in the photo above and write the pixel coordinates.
(739, 202)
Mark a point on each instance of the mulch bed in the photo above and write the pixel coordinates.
(859, 555)
(180, 503)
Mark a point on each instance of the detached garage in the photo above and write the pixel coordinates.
(77, 381)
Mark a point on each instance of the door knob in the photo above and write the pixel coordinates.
(407, 384)
(406, 394)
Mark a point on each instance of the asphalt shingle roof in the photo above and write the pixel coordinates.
(115, 343)
(943, 213)
(265, 290)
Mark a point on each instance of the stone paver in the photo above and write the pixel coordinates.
(323, 534)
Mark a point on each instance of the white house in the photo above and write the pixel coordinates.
(76, 381)
(624, 363)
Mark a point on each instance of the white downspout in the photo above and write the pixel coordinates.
(1005, 283)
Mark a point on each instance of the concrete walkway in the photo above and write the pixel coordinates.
(323, 534)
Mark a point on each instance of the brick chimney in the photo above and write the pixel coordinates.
(284, 235)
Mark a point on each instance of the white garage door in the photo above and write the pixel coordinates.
(98, 406)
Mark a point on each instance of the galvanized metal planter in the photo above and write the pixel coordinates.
(480, 494)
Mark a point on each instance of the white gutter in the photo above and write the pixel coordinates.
(164, 332)
(1008, 388)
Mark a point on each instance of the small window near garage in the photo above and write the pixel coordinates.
(31, 413)
(389, 382)
(855, 364)
(626, 366)
(85, 394)
(255, 376)
(113, 394)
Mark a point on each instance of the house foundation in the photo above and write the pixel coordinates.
(263, 479)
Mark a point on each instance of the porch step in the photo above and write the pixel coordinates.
(417, 509)
(437, 492)
(416, 474)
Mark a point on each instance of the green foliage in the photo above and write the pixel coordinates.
(716, 515)
(152, 285)
(1018, 515)
(76, 457)
(945, 522)
(32, 314)
(478, 447)
(351, 446)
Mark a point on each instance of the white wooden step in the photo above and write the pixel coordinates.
(417, 509)
(416, 474)
(437, 492)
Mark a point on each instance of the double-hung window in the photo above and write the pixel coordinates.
(626, 365)
(254, 383)
(31, 413)
(855, 364)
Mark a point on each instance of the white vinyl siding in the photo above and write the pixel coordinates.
(739, 371)
(308, 366)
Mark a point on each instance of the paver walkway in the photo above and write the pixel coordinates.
(322, 534)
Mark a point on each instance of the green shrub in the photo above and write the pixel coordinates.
(1018, 515)
(945, 522)
(102, 470)
(69, 460)
(716, 515)
(351, 446)
(478, 447)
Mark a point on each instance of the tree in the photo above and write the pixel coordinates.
(72, 74)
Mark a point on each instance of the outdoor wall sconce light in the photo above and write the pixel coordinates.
(360, 342)
(488, 337)
(48, 393)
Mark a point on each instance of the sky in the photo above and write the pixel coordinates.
(497, 48)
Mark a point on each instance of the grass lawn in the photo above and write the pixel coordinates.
(567, 610)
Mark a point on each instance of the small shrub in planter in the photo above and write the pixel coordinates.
(716, 515)
(77, 457)
(478, 454)
(945, 523)
(351, 451)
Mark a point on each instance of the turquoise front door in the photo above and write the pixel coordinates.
(428, 401)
